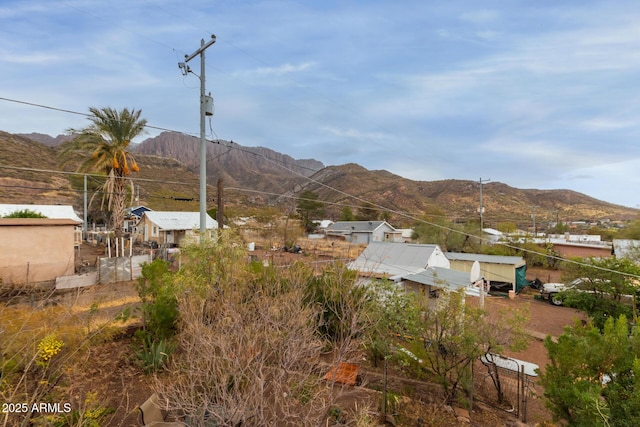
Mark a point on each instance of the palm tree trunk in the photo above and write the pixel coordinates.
(117, 213)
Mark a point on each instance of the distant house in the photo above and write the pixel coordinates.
(509, 271)
(492, 235)
(364, 231)
(170, 228)
(133, 216)
(406, 234)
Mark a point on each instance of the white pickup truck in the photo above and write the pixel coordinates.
(550, 291)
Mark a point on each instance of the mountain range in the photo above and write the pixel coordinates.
(256, 176)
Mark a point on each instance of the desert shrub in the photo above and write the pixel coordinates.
(153, 353)
(248, 343)
(159, 305)
(345, 307)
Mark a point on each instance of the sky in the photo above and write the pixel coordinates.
(534, 94)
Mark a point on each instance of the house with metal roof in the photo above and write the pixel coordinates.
(502, 272)
(395, 260)
(170, 228)
(420, 268)
(364, 231)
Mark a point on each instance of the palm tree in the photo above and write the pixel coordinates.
(105, 144)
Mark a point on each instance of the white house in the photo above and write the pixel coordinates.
(417, 267)
(395, 260)
(169, 228)
(364, 231)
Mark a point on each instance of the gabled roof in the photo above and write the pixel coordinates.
(441, 278)
(393, 259)
(357, 226)
(178, 220)
(486, 259)
(50, 211)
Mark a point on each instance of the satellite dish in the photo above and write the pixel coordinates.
(475, 272)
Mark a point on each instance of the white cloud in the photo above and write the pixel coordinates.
(279, 71)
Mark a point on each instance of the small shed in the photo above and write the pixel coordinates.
(507, 271)
(170, 228)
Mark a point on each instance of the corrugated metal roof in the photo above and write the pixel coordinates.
(626, 248)
(441, 277)
(393, 258)
(487, 259)
(50, 211)
(178, 220)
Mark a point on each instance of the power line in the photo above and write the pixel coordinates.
(374, 205)
(62, 110)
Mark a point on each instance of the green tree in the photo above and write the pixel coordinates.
(453, 334)
(347, 214)
(309, 208)
(608, 288)
(593, 378)
(559, 228)
(105, 146)
(449, 236)
(25, 213)
(631, 231)
(368, 212)
(396, 313)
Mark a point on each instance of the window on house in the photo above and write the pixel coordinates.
(154, 231)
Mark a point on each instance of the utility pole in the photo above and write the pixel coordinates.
(481, 209)
(533, 216)
(204, 103)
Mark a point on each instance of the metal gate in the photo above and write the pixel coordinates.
(504, 383)
(121, 269)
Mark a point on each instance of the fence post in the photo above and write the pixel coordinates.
(524, 399)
